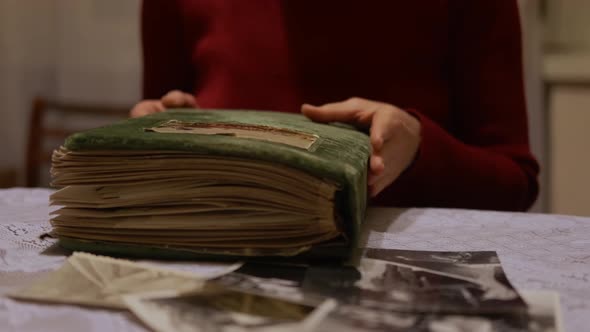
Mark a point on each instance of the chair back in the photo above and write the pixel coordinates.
(51, 122)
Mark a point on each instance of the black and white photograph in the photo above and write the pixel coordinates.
(405, 281)
(385, 296)
(423, 282)
(278, 281)
(217, 309)
(416, 257)
(543, 316)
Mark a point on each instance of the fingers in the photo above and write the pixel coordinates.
(355, 111)
(394, 135)
(375, 179)
(377, 166)
(395, 139)
(174, 98)
(324, 114)
(378, 175)
(389, 171)
(383, 126)
(146, 107)
(177, 98)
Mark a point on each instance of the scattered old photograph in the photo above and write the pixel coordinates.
(99, 281)
(416, 257)
(217, 308)
(400, 280)
(399, 290)
(483, 267)
(543, 316)
(278, 281)
(406, 288)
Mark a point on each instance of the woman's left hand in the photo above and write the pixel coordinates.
(395, 135)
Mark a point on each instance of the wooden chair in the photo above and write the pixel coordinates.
(52, 121)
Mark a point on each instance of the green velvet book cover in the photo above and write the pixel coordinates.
(334, 152)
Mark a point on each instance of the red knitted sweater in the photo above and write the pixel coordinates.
(455, 64)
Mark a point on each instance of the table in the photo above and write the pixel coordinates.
(538, 251)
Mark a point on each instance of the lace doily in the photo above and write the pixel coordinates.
(537, 251)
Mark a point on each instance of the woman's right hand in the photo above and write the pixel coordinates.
(172, 99)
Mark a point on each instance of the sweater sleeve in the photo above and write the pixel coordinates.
(166, 50)
(482, 160)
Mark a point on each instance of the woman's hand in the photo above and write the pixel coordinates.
(395, 135)
(175, 98)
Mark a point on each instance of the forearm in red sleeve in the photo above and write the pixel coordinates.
(166, 49)
(450, 173)
(481, 159)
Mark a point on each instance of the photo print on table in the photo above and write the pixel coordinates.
(396, 290)
(216, 308)
(543, 316)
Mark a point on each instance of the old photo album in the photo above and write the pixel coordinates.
(223, 183)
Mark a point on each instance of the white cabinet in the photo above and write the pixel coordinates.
(568, 79)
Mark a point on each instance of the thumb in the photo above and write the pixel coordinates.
(328, 114)
(382, 127)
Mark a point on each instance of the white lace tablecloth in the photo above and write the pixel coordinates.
(550, 252)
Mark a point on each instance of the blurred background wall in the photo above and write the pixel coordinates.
(566, 76)
(89, 51)
(76, 50)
